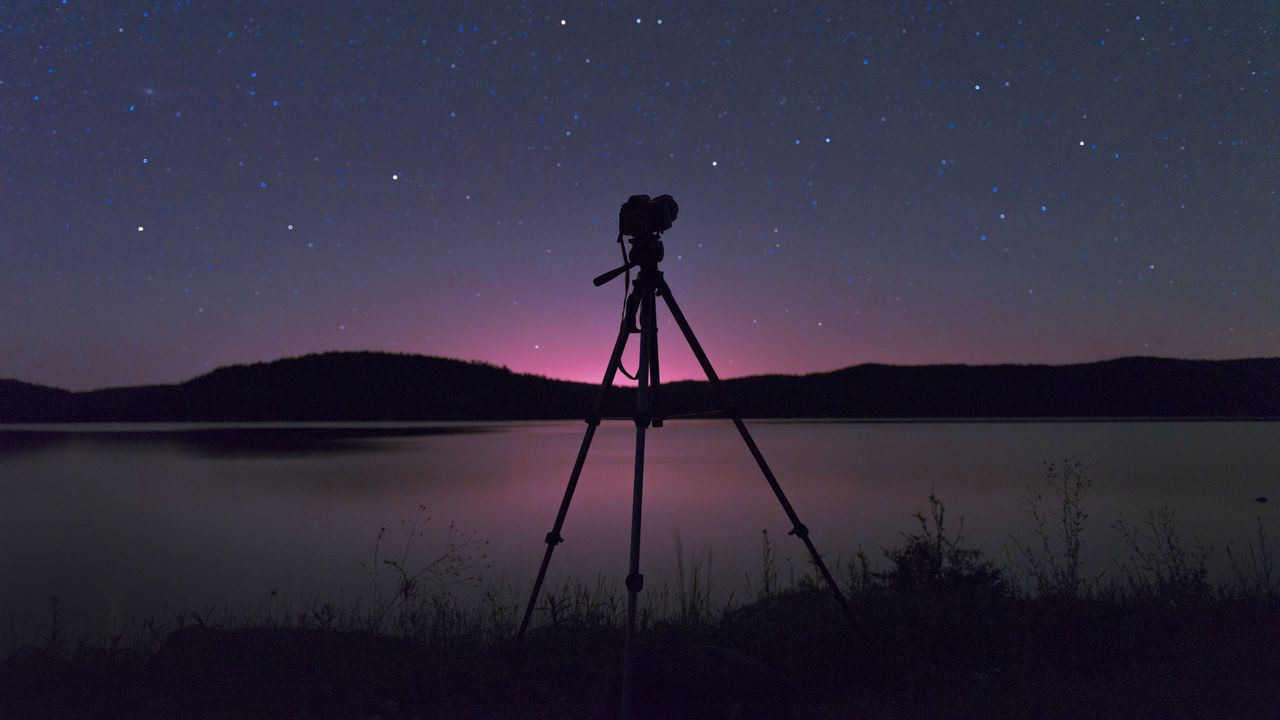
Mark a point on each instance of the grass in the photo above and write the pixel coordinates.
(939, 629)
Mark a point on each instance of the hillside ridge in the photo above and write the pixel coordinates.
(369, 386)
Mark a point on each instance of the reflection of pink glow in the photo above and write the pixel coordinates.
(147, 528)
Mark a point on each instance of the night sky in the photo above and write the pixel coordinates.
(192, 184)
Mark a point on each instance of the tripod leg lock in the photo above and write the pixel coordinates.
(593, 419)
(635, 583)
(553, 538)
(800, 531)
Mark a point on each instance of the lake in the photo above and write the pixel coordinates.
(122, 522)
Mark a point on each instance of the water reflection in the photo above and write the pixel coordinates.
(227, 440)
(143, 521)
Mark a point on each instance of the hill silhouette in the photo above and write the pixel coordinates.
(368, 386)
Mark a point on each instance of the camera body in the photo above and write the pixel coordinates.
(641, 215)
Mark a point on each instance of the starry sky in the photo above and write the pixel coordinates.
(192, 184)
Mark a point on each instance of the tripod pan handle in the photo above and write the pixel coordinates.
(606, 277)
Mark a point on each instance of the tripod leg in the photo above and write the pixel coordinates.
(593, 421)
(797, 528)
(655, 406)
(635, 581)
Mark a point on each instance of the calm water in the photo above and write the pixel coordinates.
(132, 521)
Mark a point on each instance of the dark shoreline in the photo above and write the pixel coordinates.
(215, 439)
(944, 652)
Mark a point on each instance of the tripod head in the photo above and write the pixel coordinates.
(646, 253)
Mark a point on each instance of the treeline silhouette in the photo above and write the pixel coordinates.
(368, 386)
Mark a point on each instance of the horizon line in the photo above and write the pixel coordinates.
(625, 382)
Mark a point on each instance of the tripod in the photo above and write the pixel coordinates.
(642, 305)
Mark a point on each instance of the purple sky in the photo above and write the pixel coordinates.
(192, 184)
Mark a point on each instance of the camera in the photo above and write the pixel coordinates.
(642, 219)
(641, 215)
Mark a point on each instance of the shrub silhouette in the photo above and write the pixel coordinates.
(930, 561)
